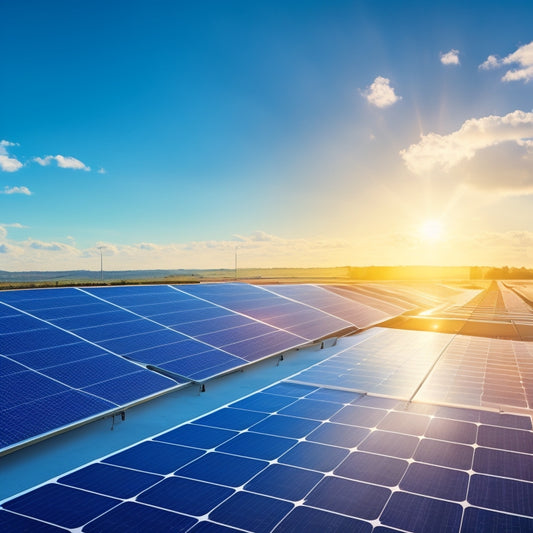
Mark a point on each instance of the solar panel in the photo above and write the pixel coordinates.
(357, 313)
(354, 462)
(482, 372)
(385, 361)
(51, 380)
(120, 330)
(263, 305)
(226, 340)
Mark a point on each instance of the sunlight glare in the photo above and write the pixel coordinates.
(432, 230)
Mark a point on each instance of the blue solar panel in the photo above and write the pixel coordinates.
(246, 466)
(223, 469)
(268, 307)
(357, 313)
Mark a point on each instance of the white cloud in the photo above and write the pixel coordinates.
(523, 57)
(490, 63)
(62, 162)
(450, 58)
(13, 225)
(7, 162)
(102, 171)
(380, 93)
(256, 249)
(488, 149)
(16, 190)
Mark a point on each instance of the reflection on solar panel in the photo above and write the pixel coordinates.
(296, 457)
(482, 372)
(383, 361)
(260, 304)
(359, 314)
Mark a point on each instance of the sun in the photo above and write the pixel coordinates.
(431, 230)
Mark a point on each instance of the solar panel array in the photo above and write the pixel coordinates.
(261, 304)
(79, 347)
(298, 458)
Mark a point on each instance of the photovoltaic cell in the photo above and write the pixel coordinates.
(110, 480)
(131, 517)
(349, 497)
(252, 512)
(185, 495)
(411, 512)
(372, 468)
(61, 505)
(504, 463)
(285, 482)
(435, 481)
(257, 445)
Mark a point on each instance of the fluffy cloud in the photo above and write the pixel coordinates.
(523, 57)
(380, 93)
(494, 152)
(62, 162)
(256, 249)
(450, 58)
(16, 190)
(7, 162)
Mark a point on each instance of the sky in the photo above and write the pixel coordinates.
(291, 133)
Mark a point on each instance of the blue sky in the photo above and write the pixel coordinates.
(302, 133)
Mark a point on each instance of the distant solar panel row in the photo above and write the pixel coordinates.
(293, 458)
